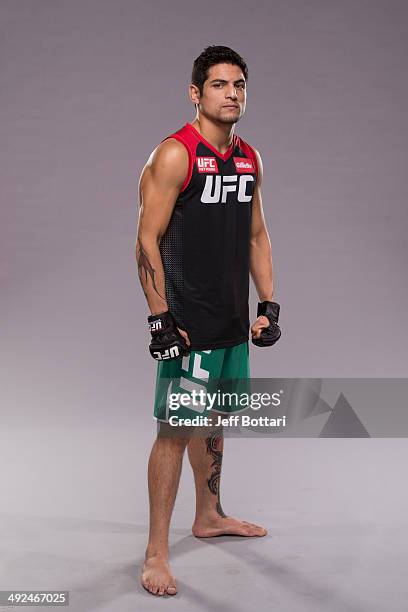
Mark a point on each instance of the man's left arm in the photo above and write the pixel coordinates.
(260, 257)
(260, 244)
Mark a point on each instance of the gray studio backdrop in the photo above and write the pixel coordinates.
(88, 88)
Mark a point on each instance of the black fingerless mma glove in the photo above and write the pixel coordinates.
(167, 342)
(269, 335)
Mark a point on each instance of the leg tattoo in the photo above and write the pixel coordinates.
(214, 446)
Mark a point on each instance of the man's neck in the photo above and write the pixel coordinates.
(219, 135)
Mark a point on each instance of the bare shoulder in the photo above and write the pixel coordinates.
(168, 163)
(260, 165)
(170, 151)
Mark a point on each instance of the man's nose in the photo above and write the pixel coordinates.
(232, 93)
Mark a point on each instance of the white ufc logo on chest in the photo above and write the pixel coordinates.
(216, 188)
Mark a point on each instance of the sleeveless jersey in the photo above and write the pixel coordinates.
(205, 248)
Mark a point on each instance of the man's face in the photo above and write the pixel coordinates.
(224, 94)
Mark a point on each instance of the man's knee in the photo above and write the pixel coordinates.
(176, 437)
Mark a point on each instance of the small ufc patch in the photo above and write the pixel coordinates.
(207, 164)
(243, 164)
(155, 326)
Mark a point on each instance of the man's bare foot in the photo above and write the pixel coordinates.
(217, 525)
(156, 576)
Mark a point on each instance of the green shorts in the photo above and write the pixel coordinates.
(200, 372)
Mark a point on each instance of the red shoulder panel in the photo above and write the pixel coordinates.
(249, 151)
(189, 140)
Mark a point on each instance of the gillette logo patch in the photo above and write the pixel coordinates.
(207, 164)
(243, 164)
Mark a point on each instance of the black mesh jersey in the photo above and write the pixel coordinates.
(205, 248)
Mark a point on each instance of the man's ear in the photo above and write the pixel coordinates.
(194, 94)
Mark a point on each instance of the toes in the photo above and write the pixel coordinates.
(254, 530)
(259, 530)
(161, 589)
(262, 530)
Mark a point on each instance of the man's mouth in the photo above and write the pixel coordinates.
(230, 106)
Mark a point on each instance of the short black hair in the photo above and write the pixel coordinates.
(215, 54)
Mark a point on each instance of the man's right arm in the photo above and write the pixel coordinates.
(159, 186)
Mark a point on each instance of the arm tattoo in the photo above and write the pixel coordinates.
(145, 268)
(214, 448)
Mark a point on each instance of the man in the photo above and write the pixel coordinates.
(201, 232)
